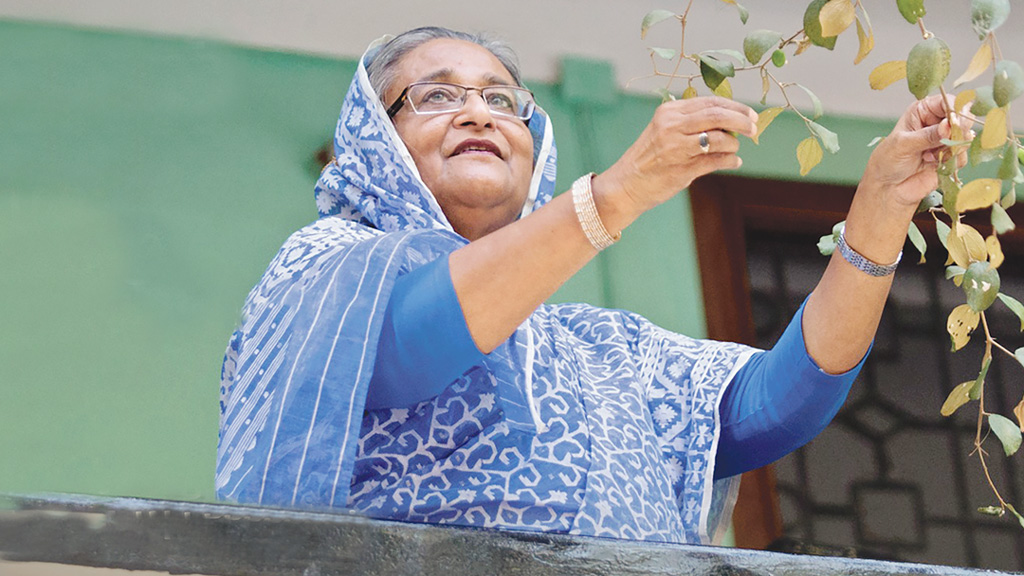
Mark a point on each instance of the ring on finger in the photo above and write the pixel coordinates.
(705, 143)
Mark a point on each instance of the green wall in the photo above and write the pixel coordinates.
(145, 182)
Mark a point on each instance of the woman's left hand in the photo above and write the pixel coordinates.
(904, 163)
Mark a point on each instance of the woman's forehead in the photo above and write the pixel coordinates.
(451, 60)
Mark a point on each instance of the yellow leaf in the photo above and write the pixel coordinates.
(764, 119)
(1019, 413)
(965, 245)
(801, 45)
(885, 74)
(809, 154)
(957, 397)
(980, 193)
(963, 99)
(690, 92)
(724, 89)
(835, 17)
(994, 133)
(979, 63)
(961, 322)
(866, 42)
(995, 251)
(764, 87)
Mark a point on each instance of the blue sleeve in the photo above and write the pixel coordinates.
(776, 403)
(425, 343)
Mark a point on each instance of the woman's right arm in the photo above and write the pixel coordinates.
(502, 278)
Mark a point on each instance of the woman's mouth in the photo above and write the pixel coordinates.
(477, 147)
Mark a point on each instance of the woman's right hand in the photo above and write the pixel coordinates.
(667, 156)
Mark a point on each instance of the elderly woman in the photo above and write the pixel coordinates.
(397, 357)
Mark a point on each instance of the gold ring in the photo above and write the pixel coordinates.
(705, 144)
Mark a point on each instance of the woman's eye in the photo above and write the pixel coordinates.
(500, 101)
(438, 96)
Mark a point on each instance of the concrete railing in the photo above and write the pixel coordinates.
(191, 538)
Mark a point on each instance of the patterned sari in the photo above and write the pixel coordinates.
(586, 420)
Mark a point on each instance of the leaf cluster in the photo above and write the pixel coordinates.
(973, 260)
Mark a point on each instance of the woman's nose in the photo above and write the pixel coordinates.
(475, 110)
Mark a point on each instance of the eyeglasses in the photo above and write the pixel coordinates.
(441, 97)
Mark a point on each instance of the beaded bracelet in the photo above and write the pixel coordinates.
(586, 213)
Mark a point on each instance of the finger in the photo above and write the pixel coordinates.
(931, 110)
(712, 162)
(922, 139)
(716, 113)
(718, 119)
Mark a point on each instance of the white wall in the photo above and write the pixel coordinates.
(543, 30)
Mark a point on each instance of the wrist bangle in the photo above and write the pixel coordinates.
(860, 262)
(586, 213)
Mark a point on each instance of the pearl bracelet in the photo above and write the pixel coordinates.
(586, 213)
(860, 262)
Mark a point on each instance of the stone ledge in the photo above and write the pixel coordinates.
(216, 539)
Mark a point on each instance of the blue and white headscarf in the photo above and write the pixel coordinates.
(586, 420)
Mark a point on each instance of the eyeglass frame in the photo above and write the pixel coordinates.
(404, 97)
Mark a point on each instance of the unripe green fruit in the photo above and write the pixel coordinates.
(927, 66)
(779, 58)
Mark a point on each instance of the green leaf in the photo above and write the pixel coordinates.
(1017, 514)
(666, 53)
(828, 138)
(942, 229)
(911, 9)
(812, 25)
(1010, 167)
(758, 42)
(983, 101)
(734, 54)
(991, 510)
(927, 66)
(977, 154)
(1007, 82)
(981, 285)
(933, 199)
(1007, 432)
(952, 271)
(979, 383)
(987, 15)
(652, 18)
(744, 14)
(815, 101)
(1019, 355)
(917, 239)
(948, 185)
(827, 244)
(875, 141)
(957, 398)
(1016, 307)
(714, 70)
(1001, 221)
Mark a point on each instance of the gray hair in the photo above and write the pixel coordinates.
(381, 66)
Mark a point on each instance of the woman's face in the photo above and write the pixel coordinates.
(477, 164)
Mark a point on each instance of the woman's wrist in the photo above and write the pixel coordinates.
(616, 207)
(876, 226)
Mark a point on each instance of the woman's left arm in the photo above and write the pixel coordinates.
(843, 311)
